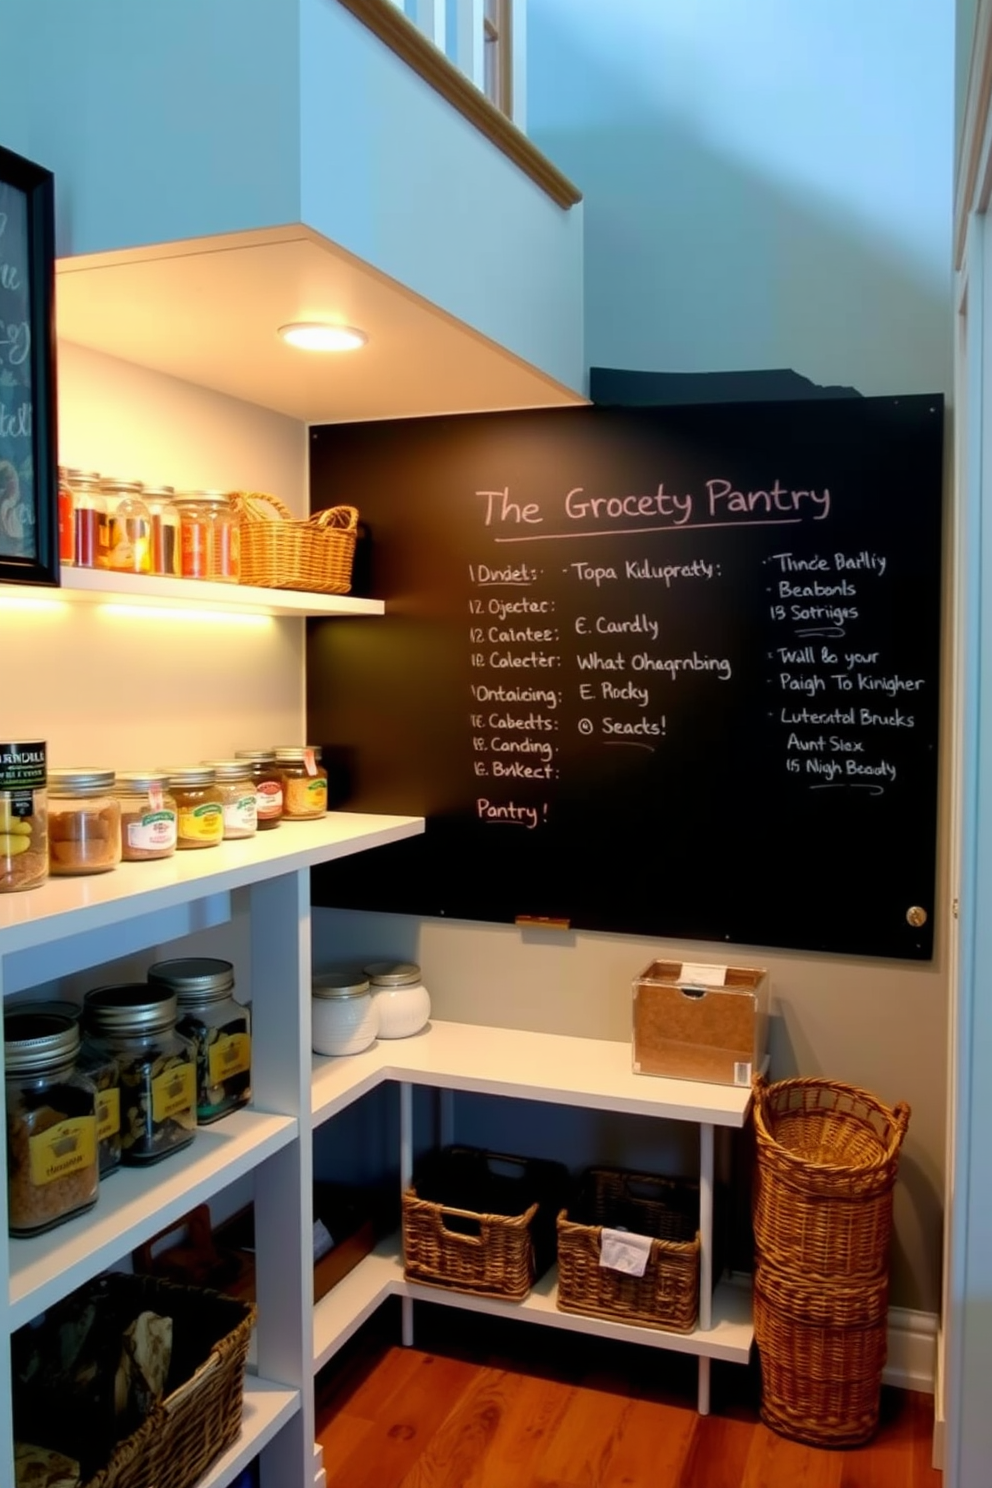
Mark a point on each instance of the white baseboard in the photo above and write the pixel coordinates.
(939, 1408)
(912, 1361)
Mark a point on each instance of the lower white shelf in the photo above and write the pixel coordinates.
(380, 1275)
(267, 1408)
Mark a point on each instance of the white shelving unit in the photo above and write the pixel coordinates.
(97, 586)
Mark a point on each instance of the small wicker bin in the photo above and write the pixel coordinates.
(482, 1222)
(667, 1209)
(279, 552)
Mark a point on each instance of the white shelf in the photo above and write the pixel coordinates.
(380, 1275)
(594, 1073)
(267, 1407)
(134, 1204)
(98, 586)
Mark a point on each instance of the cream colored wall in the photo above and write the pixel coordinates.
(129, 691)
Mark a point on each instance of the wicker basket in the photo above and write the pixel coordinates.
(481, 1222)
(278, 552)
(200, 1415)
(827, 1159)
(822, 1352)
(667, 1209)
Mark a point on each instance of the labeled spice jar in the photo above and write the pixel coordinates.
(148, 815)
(402, 1002)
(52, 1170)
(199, 805)
(165, 543)
(237, 793)
(136, 1024)
(344, 1015)
(102, 1068)
(129, 526)
(23, 816)
(267, 779)
(218, 1026)
(304, 782)
(210, 536)
(89, 519)
(84, 821)
(67, 536)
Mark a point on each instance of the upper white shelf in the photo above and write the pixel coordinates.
(97, 586)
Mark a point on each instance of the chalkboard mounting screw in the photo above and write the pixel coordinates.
(916, 915)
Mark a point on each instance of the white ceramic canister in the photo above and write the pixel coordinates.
(402, 1000)
(345, 1019)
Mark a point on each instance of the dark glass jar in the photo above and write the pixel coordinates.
(219, 1028)
(268, 785)
(136, 1024)
(99, 1067)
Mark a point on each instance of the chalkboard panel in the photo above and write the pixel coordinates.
(670, 672)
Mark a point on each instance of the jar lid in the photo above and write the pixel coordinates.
(34, 1041)
(86, 477)
(80, 781)
(130, 1007)
(121, 487)
(392, 973)
(53, 1006)
(339, 982)
(159, 493)
(137, 782)
(194, 978)
(292, 752)
(216, 499)
(188, 775)
(256, 756)
(232, 769)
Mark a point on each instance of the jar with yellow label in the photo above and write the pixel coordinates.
(52, 1170)
(199, 805)
(136, 1024)
(304, 782)
(129, 526)
(218, 1026)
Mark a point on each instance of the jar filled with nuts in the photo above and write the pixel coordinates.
(84, 821)
(148, 815)
(23, 816)
(304, 781)
(136, 1024)
(219, 1027)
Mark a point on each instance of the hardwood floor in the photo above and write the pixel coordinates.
(483, 1404)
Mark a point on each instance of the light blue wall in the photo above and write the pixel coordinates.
(767, 184)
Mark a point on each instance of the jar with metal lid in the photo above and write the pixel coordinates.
(148, 815)
(23, 815)
(84, 821)
(237, 791)
(67, 549)
(268, 785)
(129, 526)
(402, 1002)
(218, 1026)
(165, 544)
(199, 805)
(136, 1024)
(304, 782)
(52, 1167)
(210, 535)
(89, 519)
(344, 1015)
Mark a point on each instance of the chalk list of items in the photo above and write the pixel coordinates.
(682, 670)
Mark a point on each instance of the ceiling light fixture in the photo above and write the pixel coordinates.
(317, 335)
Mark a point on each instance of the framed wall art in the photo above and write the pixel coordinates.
(28, 469)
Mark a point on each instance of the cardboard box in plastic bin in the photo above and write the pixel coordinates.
(698, 1022)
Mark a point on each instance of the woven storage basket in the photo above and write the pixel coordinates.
(822, 1352)
(481, 1222)
(827, 1159)
(279, 552)
(200, 1415)
(667, 1209)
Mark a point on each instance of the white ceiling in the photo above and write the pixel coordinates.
(208, 311)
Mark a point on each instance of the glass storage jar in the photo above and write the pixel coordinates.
(304, 782)
(237, 792)
(210, 536)
(89, 519)
(268, 785)
(402, 1002)
(199, 806)
(136, 1024)
(100, 1066)
(218, 1026)
(165, 546)
(148, 815)
(129, 526)
(52, 1168)
(344, 1017)
(67, 536)
(84, 821)
(23, 815)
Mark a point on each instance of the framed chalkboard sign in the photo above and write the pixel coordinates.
(671, 672)
(28, 470)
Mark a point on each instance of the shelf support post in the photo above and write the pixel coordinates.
(706, 1164)
(406, 1178)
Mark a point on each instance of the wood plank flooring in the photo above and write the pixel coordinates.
(483, 1404)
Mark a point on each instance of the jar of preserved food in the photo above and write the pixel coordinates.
(136, 1024)
(67, 536)
(148, 815)
(219, 1028)
(237, 791)
(52, 1168)
(165, 544)
(23, 816)
(199, 805)
(268, 785)
(210, 533)
(84, 821)
(129, 545)
(100, 1066)
(402, 1002)
(89, 519)
(304, 782)
(344, 1015)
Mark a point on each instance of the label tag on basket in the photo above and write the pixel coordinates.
(698, 975)
(620, 1250)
